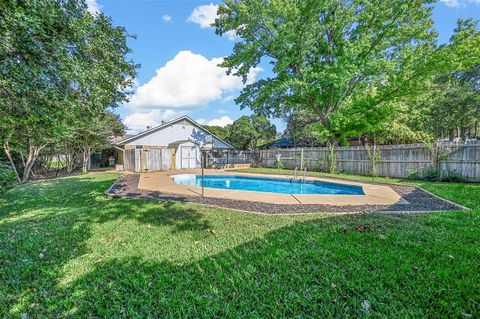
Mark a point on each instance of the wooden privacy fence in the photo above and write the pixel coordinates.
(461, 160)
(147, 159)
(151, 159)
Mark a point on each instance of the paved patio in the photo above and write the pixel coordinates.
(413, 199)
(374, 194)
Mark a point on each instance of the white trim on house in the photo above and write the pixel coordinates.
(129, 140)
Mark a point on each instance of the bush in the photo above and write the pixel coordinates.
(428, 173)
(431, 174)
(7, 177)
(413, 175)
(453, 177)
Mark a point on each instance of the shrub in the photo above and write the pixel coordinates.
(7, 177)
(278, 164)
(453, 177)
(432, 174)
(413, 175)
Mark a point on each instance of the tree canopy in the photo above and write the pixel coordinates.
(60, 68)
(250, 132)
(342, 60)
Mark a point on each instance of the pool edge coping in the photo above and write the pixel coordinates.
(129, 190)
(374, 194)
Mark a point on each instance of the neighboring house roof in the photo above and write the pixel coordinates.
(280, 143)
(117, 139)
(164, 125)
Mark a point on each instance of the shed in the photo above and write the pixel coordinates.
(169, 146)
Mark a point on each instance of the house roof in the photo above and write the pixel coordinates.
(164, 125)
(117, 139)
(283, 142)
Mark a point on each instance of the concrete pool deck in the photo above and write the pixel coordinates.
(374, 194)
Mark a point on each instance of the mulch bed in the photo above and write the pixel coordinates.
(420, 201)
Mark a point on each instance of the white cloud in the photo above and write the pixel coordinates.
(222, 122)
(166, 18)
(205, 15)
(187, 80)
(228, 98)
(138, 122)
(93, 7)
(231, 35)
(459, 3)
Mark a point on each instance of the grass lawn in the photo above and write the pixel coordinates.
(66, 250)
(466, 194)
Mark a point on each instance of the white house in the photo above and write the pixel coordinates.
(173, 145)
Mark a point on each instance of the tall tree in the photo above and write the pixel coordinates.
(250, 132)
(340, 59)
(449, 106)
(221, 132)
(59, 66)
(302, 128)
(456, 112)
(95, 134)
(457, 104)
(265, 129)
(33, 47)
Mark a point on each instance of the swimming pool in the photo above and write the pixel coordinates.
(267, 184)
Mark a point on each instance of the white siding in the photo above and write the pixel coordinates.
(178, 156)
(180, 131)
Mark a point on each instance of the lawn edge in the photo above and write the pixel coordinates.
(464, 208)
(386, 212)
(107, 192)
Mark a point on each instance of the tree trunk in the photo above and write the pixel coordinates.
(33, 152)
(86, 156)
(10, 159)
(463, 134)
(70, 160)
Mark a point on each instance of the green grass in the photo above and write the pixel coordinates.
(467, 194)
(283, 171)
(66, 250)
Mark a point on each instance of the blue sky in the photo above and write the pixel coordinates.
(178, 54)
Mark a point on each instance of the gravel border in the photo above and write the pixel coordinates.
(420, 201)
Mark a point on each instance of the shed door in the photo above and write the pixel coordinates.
(189, 156)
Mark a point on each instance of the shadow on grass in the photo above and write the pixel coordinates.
(325, 267)
(45, 225)
(310, 269)
(83, 197)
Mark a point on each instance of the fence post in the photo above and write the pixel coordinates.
(301, 159)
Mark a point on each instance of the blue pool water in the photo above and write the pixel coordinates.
(269, 185)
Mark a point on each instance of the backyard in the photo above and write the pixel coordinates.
(67, 250)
